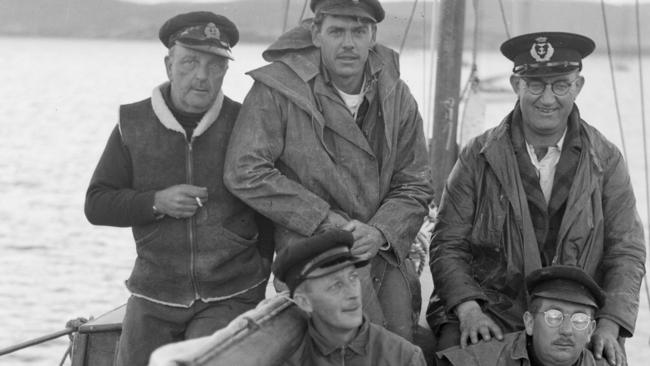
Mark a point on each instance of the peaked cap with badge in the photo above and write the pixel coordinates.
(566, 283)
(314, 257)
(368, 9)
(547, 53)
(202, 31)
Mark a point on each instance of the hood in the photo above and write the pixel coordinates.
(295, 39)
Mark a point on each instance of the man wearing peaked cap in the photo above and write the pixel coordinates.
(201, 31)
(368, 9)
(321, 273)
(546, 188)
(329, 136)
(559, 321)
(200, 261)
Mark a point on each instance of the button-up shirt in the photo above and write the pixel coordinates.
(546, 165)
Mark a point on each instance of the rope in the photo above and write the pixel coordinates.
(611, 71)
(503, 17)
(408, 26)
(643, 123)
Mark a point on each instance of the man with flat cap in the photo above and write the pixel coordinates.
(199, 256)
(541, 188)
(322, 276)
(559, 322)
(329, 136)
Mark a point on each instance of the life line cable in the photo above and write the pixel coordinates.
(618, 115)
(643, 123)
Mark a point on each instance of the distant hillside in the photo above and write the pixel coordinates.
(262, 20)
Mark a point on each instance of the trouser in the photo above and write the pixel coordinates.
(448, 336)
(391, 295)
(148, 325)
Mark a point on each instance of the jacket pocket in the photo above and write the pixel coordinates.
(239, 240)
(145, 235)
(487, 228)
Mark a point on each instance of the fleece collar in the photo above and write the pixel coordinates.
(168, 120)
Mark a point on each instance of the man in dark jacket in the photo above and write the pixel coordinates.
(559, 322)
(322, 275)
(199, 263)
(330, 136)
(542, 188)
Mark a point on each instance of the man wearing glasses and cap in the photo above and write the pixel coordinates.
(199, 262)
(542, 188)
(330, 136)
(322, 276)
(559, 322)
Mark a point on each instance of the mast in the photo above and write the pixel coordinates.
(443, 150)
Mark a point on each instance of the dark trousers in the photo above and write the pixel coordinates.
(148, 325)
(448, 336)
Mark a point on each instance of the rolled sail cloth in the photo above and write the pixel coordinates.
(263, 336)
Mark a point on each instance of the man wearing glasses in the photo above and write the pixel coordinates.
(540, 189)
(559, 323)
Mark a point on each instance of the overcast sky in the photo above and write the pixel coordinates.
(612, 2)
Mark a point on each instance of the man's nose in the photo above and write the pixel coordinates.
(566, 327)
(202, 72)
(347, 40)
(548, 96)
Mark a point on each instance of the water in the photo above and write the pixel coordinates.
(58, 104)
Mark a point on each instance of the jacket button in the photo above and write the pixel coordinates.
(376, 279)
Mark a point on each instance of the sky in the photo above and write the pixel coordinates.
(609, 2)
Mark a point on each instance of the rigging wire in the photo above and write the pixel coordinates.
(472, 79)
(408, 27)
(611, 71)
(432, 42)
(302, 12)
(643, 123)
(503, 18)
(286, 15)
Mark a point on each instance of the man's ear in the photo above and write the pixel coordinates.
(579, 83)
(303, 302)
(315, 35)
(591, 328)
(529, 321)
(168, 66)
(515, 83)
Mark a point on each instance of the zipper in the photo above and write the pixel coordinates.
(189, 171)
(343, 356)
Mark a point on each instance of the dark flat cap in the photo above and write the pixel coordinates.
(200, 30)
(316, 256)
(566, 283)
(547, 53)
(369, 9)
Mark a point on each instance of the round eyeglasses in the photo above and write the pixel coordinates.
(558, 87)
(554, 318)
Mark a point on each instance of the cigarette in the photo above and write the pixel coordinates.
(198, 202)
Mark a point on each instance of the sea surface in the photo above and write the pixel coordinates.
(58, 103)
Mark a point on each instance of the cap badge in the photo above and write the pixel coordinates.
(211, 31)
(542, 50)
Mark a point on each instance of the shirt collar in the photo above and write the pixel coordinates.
(358, 344)
(519, 347)
(558, 145)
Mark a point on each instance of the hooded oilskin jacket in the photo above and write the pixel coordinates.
(478, 251)
(296, 153)
(210, 256)
(512, 351)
